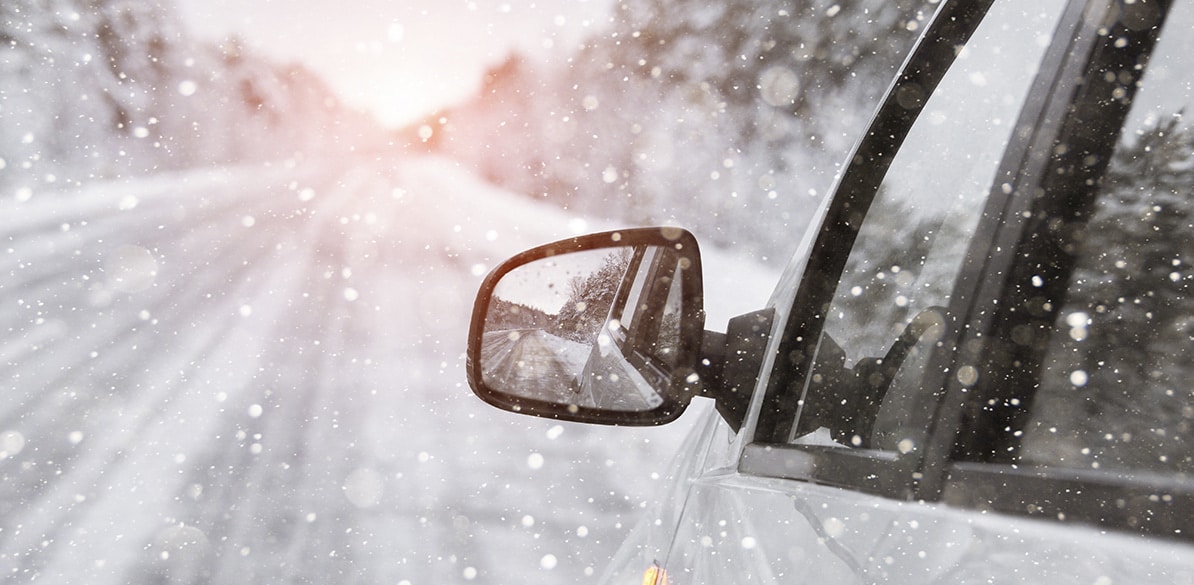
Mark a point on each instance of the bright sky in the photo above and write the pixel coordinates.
(400, 59)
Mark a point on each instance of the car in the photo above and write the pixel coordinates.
(975, 368)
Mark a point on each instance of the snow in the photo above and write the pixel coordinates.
(117, 88)
(193, 396)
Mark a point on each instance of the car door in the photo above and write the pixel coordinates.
(853, 473)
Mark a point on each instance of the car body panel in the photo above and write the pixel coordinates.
(743, 529)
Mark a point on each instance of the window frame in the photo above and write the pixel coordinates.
(872, 471)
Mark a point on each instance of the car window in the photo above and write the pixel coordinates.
(1115, 390)
(667, 333)
(650, 318)
(888, 310)
(636, 280)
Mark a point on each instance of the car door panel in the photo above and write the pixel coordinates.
(743, 529)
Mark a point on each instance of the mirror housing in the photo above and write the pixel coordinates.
(604, 328)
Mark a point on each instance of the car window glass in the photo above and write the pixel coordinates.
(667, 334)
(1115, 388)
(888, 308)
(633, 298)
(650, 319)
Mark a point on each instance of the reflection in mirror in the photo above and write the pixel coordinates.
(596, 328)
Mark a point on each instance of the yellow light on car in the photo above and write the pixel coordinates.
(655, 575)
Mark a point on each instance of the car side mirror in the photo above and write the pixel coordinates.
(604, 328)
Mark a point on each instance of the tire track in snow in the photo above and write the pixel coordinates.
(361, 459)
(109, 457)
(272, 525)
(173, 307)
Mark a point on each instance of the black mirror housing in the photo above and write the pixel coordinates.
(604, 328)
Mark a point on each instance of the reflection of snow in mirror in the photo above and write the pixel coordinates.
(533, 364)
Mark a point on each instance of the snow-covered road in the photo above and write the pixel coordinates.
(256, 376)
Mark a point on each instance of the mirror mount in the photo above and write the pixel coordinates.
(730, 363)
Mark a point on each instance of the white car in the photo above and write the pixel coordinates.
(976, 368)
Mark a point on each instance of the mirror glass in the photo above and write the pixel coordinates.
(596, 328)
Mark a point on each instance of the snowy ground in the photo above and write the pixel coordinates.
(256, 376)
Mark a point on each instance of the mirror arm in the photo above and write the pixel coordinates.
(730, 363)
(711, 365)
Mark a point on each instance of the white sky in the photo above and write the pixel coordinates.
(544, 284)
(400, 59)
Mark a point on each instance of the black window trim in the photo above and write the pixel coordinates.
(881, 473)
(1139, 502)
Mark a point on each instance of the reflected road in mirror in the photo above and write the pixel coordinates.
(536, 363)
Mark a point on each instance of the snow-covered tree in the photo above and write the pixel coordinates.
(590, 298)
(104, 88)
